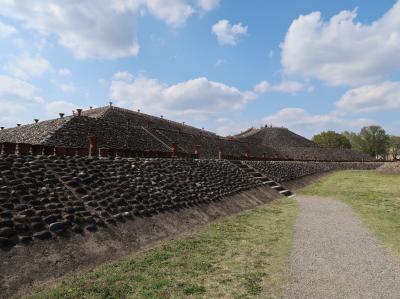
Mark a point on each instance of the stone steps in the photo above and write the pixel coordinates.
(261, 177)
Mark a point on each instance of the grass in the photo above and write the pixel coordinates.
(243, 256)
(374, 196)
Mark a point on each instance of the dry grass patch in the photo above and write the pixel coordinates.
(243, 256)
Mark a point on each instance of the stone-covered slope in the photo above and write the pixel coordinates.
(282, 171)
(42, 197)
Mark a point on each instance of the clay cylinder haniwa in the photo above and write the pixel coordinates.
(174, 149)
(8, 148)
(220, 153)
(59, 150)
(48, 150)
(37, 149)
(104, 152)
(82, 151)
(92, 146)
(23, 149)
(197, 149)
(70, 151)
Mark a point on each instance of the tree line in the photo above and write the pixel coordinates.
(372, 140)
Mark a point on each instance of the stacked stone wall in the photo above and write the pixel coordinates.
(45, 197)
(282, 171)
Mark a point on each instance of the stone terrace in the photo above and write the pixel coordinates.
(282, 171)
(44, 197)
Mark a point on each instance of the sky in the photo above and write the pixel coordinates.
(224, 65)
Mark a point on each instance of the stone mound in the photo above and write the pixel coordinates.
(390, 168)
(118, 128)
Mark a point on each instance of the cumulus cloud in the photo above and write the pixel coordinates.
(262, 87)
(199, 97)
(6, 30)
(173, 12)
(375, 97)
(208, 5)
(341, 51)
(228, 34)
(299, 119)
(26, 66)
(227, 126)
(87, 28)
(15, 97)
(65, 87)
(55, 107)
(64, 72)
(286, 86)
(14, 88)
(96, 28)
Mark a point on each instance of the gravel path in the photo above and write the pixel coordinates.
(334, 255)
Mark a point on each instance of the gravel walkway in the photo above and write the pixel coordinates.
(334, 255)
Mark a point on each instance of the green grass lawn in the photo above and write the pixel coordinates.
(374, 196)
(243, 256)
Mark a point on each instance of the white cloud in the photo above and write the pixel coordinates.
(6, 30)
(262, 87)
(198, 97)
(102, 82)
(64, 72)
(11, 112)
(88, 28)
(173, 12)
(26, 66)
(123, 76)
(55, 107)
(15, 97)
(342, 51)
(65, 87)
(220, 62)
(97, 28)
(14, 88)
(228, 34)
(383, 96)
(298, 119)
(208, 5)
(286, 86)
(230, 127)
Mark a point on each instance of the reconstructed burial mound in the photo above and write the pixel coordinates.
(59, 214)
(118, 128)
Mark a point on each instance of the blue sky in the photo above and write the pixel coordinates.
(223, 65)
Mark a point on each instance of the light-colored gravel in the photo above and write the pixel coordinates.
(335, 256)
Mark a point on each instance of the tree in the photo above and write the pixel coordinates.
(355, 140)
(331, 139)
(394, 147)
(374, 141)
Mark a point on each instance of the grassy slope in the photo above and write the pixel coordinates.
(374, 196)
(243, 256)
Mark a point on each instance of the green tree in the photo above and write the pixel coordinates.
(355, 140)
(374, 141)
(394, 146)
(331, 139)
